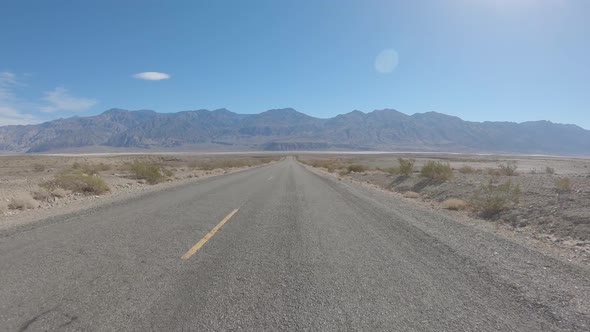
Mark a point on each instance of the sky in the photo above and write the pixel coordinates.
(481, 60)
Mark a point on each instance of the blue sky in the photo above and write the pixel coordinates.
(506, 60)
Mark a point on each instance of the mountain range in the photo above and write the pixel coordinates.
(288, 129)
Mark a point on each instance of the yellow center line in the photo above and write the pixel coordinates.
(209, 235)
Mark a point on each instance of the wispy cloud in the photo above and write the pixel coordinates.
(9, 103)
(61, 100)
(18, 111)
(152, 76)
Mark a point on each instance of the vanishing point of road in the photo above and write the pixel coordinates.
(277, 248)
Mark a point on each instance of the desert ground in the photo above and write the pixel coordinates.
(531, 198)
(33, 187)
(538, 198)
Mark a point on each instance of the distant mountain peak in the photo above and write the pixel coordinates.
(288, 129)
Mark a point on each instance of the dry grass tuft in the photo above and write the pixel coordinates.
(355, 168)
(42, 195)
(77, 181)
(467, 170)
(508, 169)
(60, 192)
(91, 169)
(23, 201)
(411, 194)
(454, 204)
(3, 206)
(38, 168)
(563, 185)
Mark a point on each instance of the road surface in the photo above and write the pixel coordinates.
(278, 248)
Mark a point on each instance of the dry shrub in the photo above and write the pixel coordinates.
(549, 170)
(330, 165)
(167, 172)
(42, 195)
(91, 169)
(406, 166)
(355, 168)
(437, 170)
(146, 171)
(23, 201)
(77, 181)
(39, 168)
(492, 199)
(454, 204)
(508, 169)
(391, 170)
(60, 192)
(411, 194)
(3, 206)
(563, 185)
(467, 170)
(209, 165)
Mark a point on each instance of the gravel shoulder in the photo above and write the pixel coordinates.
(545, 278)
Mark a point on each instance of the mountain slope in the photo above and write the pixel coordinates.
(287, 129)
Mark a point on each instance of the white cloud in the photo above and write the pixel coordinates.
(152, 76)
(10, 116)
(18, 111)
(386, 61)
(60, 100)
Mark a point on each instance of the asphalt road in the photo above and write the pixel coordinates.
(302, 252)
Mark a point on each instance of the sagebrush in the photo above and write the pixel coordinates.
(437, 170)
(406, 166)
(492, 199)
(77, 181)
(149, 172)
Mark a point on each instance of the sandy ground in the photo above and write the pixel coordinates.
(545, 217)
(23, 176)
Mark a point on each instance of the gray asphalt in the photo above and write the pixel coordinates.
(302, 253)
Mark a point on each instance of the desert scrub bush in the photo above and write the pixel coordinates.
(411, 194)
(330, 165)
(343, 172)
(563, 185)
(60, 192)
(437, 170)
(151, 173)
(391, 170)
(491, 199)
(3, 206)
(356, 168)
(38, 168)
(454, 204)
(508, 169)
(406, 166)
(42, 195)
(549, 170)
(75, 180)
(167, 172)
(91, 169)
(467, 170)
(22, 202)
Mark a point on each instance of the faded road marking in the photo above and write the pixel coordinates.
(270, 178)
(209, 235)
